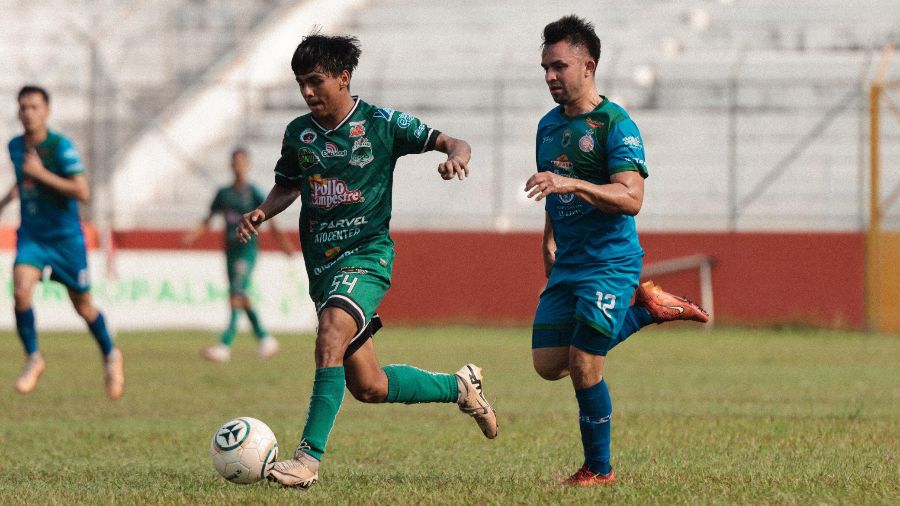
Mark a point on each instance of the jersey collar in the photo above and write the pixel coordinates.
(339, 125)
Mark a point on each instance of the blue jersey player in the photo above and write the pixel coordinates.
(50, 182)
(591, 171)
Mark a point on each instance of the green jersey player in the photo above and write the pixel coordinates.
(232, 201)
(339, 160)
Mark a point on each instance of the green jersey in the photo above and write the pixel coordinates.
(233, 203)
(345, 176)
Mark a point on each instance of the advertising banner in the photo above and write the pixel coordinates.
(151, 289)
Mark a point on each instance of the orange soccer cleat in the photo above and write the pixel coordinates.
(584, 477)
(665, 307)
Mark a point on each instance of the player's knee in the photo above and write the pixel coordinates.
(329, 346)
(550, 372)
(22, 296)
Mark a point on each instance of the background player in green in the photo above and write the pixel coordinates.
(591, 170)
(232, 201)
(50, 182)
(339, 160)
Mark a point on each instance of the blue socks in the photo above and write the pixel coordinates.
(101, 333)
(635, 319)
(27, 332)
(594, 413)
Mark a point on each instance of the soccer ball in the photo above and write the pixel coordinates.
(243, 449)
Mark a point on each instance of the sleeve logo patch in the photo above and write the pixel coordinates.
(404, 120)
(385, 113)
(632, 141)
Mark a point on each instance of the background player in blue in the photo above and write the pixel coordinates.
(232, 201)
(50, 182)
(591, 170)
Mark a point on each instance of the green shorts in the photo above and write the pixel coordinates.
(356, 283)
(240, 266)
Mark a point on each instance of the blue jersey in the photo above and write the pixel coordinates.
(592, 147)
(47, 214)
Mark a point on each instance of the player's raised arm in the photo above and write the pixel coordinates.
(279, 199)
(458, 155)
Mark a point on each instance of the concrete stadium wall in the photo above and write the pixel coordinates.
(481, 277)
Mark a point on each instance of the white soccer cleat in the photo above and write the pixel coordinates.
(31, 371)
(217, 353)
(302, 471)
(268, 347)
(114, 374)
(472, 402)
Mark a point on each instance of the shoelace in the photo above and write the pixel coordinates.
(689, 301)
(302, 447)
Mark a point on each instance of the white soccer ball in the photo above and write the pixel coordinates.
(243, 449)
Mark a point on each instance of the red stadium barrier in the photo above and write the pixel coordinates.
(481, 277)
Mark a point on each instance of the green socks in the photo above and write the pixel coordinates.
(406, 384)
(231, 331)
(411, 385)
(324, 404)
(257, 326)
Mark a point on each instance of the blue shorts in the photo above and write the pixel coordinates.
(66, 257)
(585, 305)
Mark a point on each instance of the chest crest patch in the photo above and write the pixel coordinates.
(586, 142)
(362, 153)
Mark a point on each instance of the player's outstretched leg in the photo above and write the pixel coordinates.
(472, 402)
(665, 307)
(401, 383)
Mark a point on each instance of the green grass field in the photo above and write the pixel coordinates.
(730, 416)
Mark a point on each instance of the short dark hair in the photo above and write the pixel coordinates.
(331, 53)
(28, 89)
(575, 30)
(240, 150)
